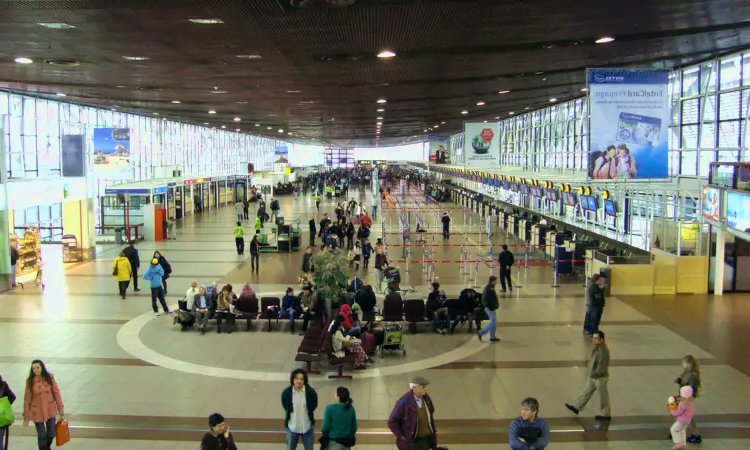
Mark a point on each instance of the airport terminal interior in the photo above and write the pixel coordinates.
(603, 147)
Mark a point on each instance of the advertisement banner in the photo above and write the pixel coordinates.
(738, 211)
(481, 145)
(711, 204)
(438, 149)
(112, 151)
(629, 120)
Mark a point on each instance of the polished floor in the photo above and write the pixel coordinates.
(132, 380)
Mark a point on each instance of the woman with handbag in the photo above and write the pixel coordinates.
(340, 422)
(121, 271)
(42, 404)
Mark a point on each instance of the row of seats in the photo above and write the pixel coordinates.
(316, 340)
(412, 311)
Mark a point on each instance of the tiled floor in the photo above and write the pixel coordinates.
(131, 380)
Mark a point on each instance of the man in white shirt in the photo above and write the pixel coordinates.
(299, 401)
(374, 207)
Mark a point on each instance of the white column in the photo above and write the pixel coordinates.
(721, 238)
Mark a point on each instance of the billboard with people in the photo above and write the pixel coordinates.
(629, 117)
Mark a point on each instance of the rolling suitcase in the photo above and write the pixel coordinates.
(368, 342)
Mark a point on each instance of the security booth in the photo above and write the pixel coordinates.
(238, 186)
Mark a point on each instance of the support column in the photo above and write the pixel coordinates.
(5, 217)
(721, 239)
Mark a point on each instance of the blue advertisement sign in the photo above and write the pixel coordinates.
(112, 150)
(281, 151)
(629, 121)
(738, 211)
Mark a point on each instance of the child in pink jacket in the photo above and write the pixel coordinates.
(683, 415)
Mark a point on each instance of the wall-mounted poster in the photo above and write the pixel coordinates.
(438, 146)
(481, 145)
(112, 151)
(628, 124)
(711, 203)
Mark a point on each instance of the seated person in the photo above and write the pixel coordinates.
(247, 301)
(224, 305)
(463, 309)
(346, 344)
(202, 309)
(436, 309)
(393, 277)
(350, 324)
(308, 303)
(290, 307)
(355, 283)
(367, 301)
(183, 315)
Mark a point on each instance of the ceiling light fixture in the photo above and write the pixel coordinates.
(293, 92)
(242, 103)
(237, 119)
(257, 124)
(496, 118)
(382, 100)
(380, 110)
(435, 126)
(281, 130)
(511, 113)
(380, 123)
(237, 129)
(60, 94)
(425, 131)
(156, 114)
(206, 21)
(386, 54)
(23, 60)
(269, 128)
(223, 126)
(251, 56)
(584, 89)
(212, 112)
(485, 121)
(136, 58)
(480, 103)
(503, 92)
(442, 123)
(528, 107)
(176, 101)
(379, 118)
(604, 40)
(464, 112)
(552, 100)
(205, 123)
(121, 87)
(57, 26)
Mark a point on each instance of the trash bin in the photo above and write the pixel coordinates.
(118, 236)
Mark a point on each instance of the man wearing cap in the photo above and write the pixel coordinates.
(219, 438)
(412, 421)
(155, 274)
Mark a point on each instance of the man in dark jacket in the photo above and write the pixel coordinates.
(491, 304)
(464, 308)
(367, 301)
(446, 225)
(598, 377)
(312, 232)
(323, 223)
(506, 262)
(299, 401)
(13, 261)
(594, 305)
(412, 421)
(135, 262)
(219, 438)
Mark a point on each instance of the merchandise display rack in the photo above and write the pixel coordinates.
(29, 255)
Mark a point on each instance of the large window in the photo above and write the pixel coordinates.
(48, 218)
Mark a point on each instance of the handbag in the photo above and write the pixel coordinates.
(114, 271)
(7, 417)
(62, 433)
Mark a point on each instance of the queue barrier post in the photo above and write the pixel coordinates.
(526, 264)
(554, 275)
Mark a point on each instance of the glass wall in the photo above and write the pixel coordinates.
(710, 107)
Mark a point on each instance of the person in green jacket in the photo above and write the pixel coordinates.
(340, 422)
(258, 225)
(239, 238)
(317, 201)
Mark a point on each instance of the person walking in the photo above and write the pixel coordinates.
(254, 254)
(340, 422)
(528, 431)
(491, 304)
(411, 419)
(506, 261)
(446, 225)
(13, 262)
(135, 262)
(274, 210)
(154, 275)
(299, 401)
(691, 376)
(597, 379)
(166, 267)
(311, 224)
(246, 208)
(594, 305)
(121, 271)
(219, 437)
(317, 201)
(374, 204)
(239, 238)
(5, 392)
(683, 416)
(239, 209)
(42, 404)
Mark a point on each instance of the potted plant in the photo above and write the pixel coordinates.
(330, 275)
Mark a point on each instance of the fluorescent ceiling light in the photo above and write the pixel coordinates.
(60, 94)
(218, 92)
(23, 60)
(379, 118)
(212, 112)
(538, 73)
(511, 113)
(237, 119)
(604, 40)
(57, 26)
(386, 54)
(257, 124)
(237, 129)
(464, 112)
(435, 126)
(442, 123)
(281, 130)
(223, 126)
(528, 107)
(252, 56)
(120, 87)
(156, 114)
(496, 118)
(205, 123)
(176, 101)
(552, 100)
(380, 123)
(273, 115)
(268, 128)
(206, 21)
(293, 92)
(382, 100)
(136, 58)
(480, 103)
(242, 103)
(503, 92)
(584, 89)
(380, 110)
(485, 121)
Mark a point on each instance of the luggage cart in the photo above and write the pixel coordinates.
(393, 338)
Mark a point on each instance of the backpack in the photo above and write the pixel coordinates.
(275, 205)
(7, 417)
(166, 266)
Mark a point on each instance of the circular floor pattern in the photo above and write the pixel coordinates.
(129, 339)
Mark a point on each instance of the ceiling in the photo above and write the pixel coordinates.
(317, 75)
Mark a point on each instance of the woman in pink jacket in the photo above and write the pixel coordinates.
(42, 404)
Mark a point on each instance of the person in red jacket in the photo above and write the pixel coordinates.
(412, 421)
(42, 404)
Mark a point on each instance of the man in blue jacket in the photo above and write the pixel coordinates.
(527, 431)
(299, 401)
(154, 275)
(290, 307)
